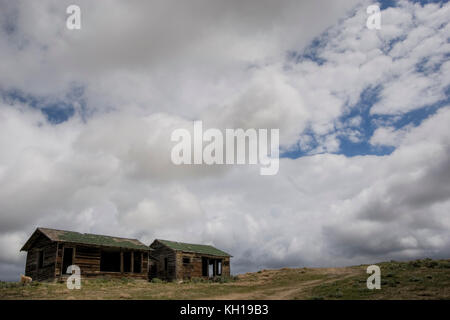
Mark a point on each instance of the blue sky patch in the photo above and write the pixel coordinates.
(369, 123)
(355, 140)
(56, 110)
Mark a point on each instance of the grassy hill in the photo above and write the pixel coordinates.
(419, 279)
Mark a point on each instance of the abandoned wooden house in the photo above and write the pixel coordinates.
(172, 260)
(50, 252)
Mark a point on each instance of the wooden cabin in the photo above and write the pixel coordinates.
(50, 252)
(170, 260)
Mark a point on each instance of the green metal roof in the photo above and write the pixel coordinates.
(197, 248)
(92, 239)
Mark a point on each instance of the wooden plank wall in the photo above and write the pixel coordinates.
(226, 270)
(47, 271)
(160, 253)
(194, 269)
(88, 259)
(178, 270)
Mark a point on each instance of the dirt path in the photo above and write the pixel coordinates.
(296, 291)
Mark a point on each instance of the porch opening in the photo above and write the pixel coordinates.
(110, 261)
(219, 267)
(137, 262)
(211, 272)
(205, 267)
(67, 259)
(127, 261)
(211, 267)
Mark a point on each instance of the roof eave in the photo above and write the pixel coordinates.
(30, 240)
(205, 254)
(27, 244)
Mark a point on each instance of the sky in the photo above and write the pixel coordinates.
(86, 118)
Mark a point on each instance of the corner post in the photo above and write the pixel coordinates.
(132, 262)
(121, 261)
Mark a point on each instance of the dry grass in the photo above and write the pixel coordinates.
(420, 279)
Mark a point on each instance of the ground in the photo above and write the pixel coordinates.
(419, 279)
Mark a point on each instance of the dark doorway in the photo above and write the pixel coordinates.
(153, 271)
(127, 261)
(40, 259)
(110, 261)
(137, 262)
(67, 259)
(205, 267)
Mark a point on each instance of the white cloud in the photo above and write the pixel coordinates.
(387, 136)
(148, 69)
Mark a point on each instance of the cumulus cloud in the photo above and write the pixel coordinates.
(146, 68)
(387, 136)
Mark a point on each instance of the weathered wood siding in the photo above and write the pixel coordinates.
(160, 253)
(88, 259)
(47, 271)
(226, 270)
(176, 268)
(194, 269)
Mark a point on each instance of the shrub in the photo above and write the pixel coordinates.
(431, 264)
(101, 280)
(444, 265)
(156, 280)
(415, 264)
(225, 279)
(339, 294)
(199, 280)
(126, 280)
